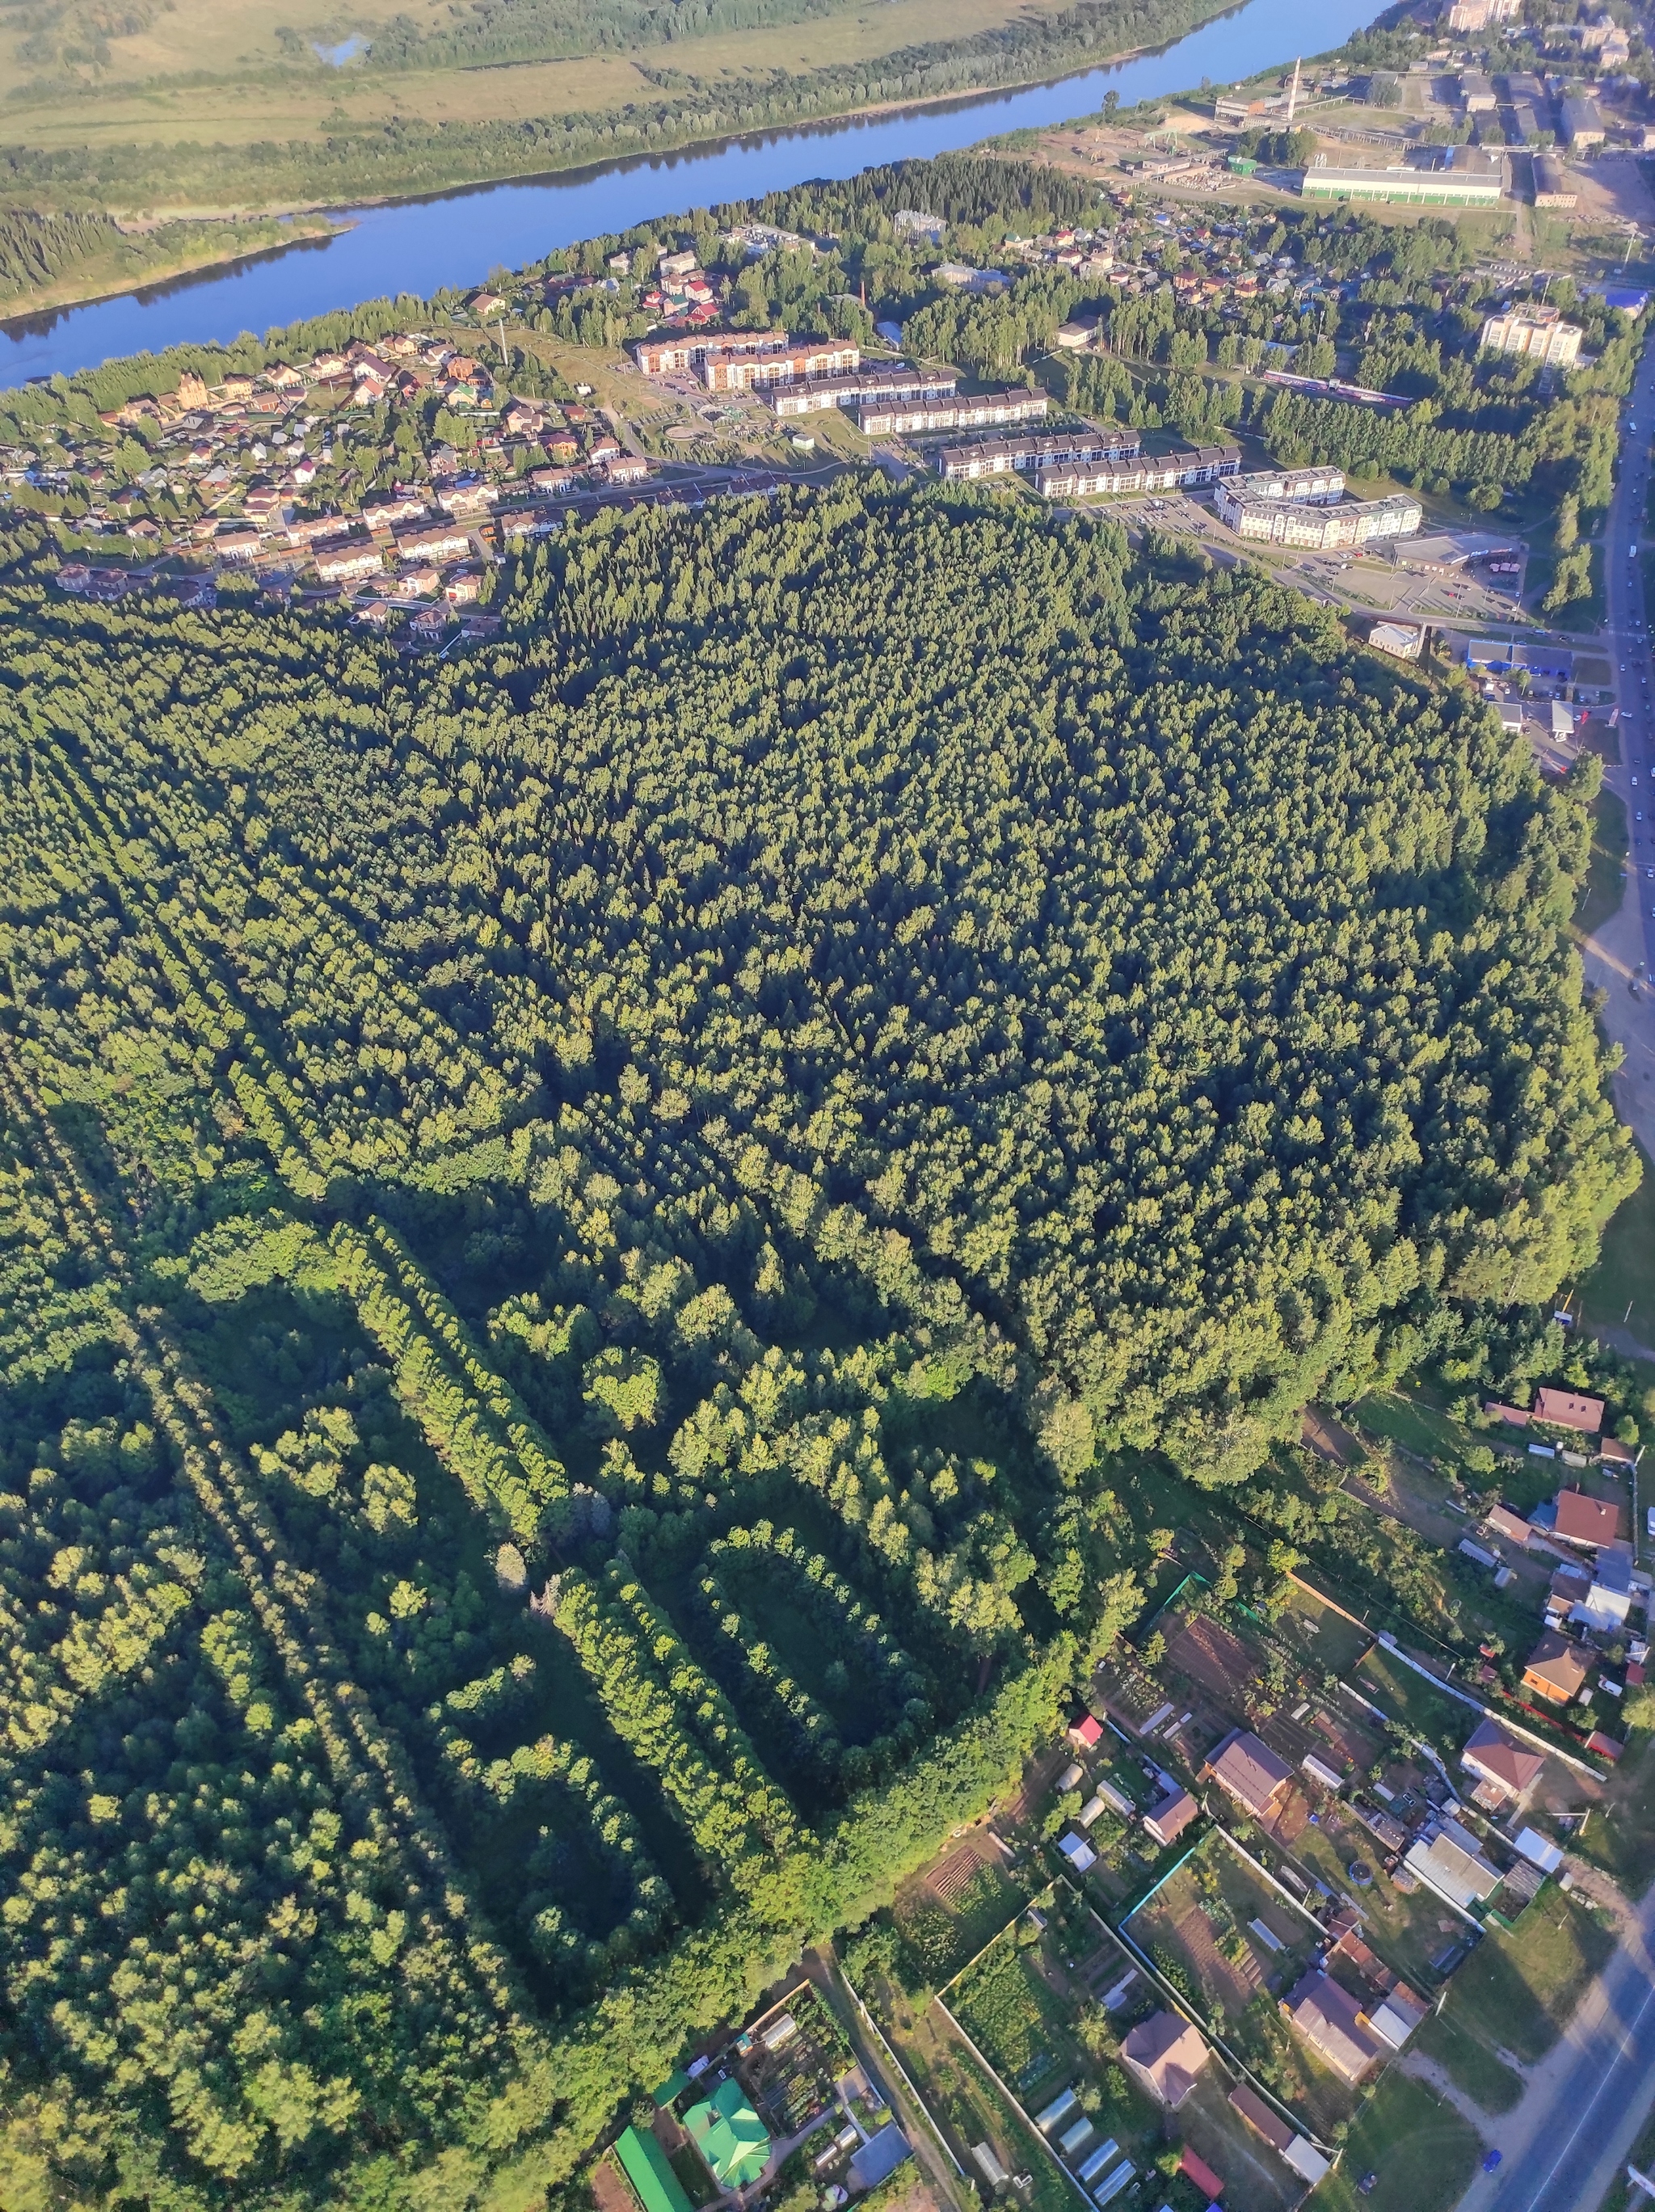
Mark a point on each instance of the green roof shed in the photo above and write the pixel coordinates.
(646, 2166)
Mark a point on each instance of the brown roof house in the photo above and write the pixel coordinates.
(1583, 1520)
(1250, 1772)
(1167, 1821)
(1563, 1409)
(1330, 2021)
(1501, 1521)
(1501, 1763)
(1166, 2054)
(1556, 1669)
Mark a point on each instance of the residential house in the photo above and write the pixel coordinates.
(1567, 1409)
(1590, 1523)
(1086, 1732)
(1248, 1771)
(1449, 1860)
(1501, 1521)
(729, 2135)
(1608, 1598)
(1331, 2022)
(1503, 1766)
(1166, 1821)
(1166, 2054)
(1557, 1669)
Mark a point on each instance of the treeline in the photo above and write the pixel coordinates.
(407, 156)
(40, 251)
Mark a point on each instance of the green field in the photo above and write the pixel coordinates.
(1625, 1274)
(1407, 1697)
(1516, 1992)
(1468, 2061)
(1423, 2152)
(1605, 885)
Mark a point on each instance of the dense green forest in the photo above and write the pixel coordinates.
(594, 1234)
(38, 251)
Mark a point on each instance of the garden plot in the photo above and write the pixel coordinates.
(1223, 1937)
(1325, 1642)
(1048, 2010)
(1212, 1930)
(949, 1913)
(790, 2072)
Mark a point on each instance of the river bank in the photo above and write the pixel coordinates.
(225, 243)
(425, 244)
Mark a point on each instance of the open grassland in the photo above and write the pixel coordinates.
(1516, 1992)
(1606, 886)
(1422, 2153)
(1621, 1838)
(1625, 1274)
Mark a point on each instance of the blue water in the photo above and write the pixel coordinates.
(419, 246)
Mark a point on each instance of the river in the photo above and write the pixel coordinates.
(457, 238)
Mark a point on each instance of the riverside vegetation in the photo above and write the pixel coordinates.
(593, 1235)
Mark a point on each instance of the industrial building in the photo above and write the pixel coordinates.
(1465, 183)
(1535, 331)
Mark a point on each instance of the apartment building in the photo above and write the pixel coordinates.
(1318, 527)
(994, 456)
(1181, 471)
(724, 369)
(683, 350)
(1536, 330)
(985, 411)
(894, 380)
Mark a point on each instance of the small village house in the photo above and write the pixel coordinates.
(1166, 2054)
(1247, 1770)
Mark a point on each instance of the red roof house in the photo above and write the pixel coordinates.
(1583, 1520)
(1565, 1409)
(1086, 1733)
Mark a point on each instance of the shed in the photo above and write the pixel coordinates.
(878, 2158)
(1260, 2116)
(646, 2165)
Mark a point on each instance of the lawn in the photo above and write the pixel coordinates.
(1605, 883)
(1468, 2061)
(1621, 1838)
(1422, 2153)
(1329, 1643)
(1404, 1696)
(1404, 1420)
(1625, 1274)
(1402, 1930)
(1516, 1992)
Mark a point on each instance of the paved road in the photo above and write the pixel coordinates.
(1628, 637)
(1589, 2100)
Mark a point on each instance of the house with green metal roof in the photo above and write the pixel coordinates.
(729, 2135)
(646, 2166)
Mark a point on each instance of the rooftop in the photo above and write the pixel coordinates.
(1583, 1520)
(1494, 1752)
(1329, 2019)
(1565, 1409)
(1250, 1771)
(1168, 2053)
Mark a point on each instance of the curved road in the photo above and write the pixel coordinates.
(1590, 2097)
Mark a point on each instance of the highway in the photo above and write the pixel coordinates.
(1589, 2098)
